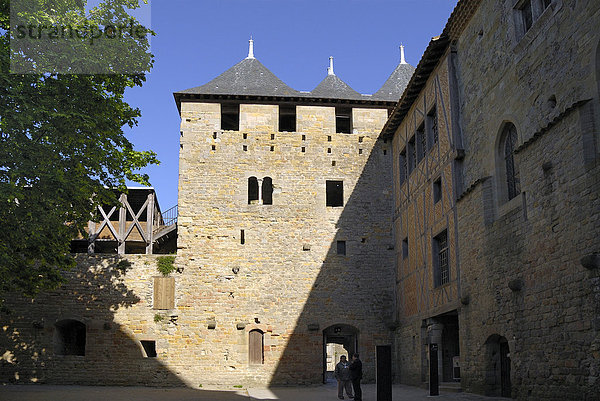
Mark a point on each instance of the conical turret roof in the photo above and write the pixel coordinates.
(248, 77)
(333, 87)
(394, 86)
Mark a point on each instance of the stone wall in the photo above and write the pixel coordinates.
(287, 275)
(115, 302)
(521, 258)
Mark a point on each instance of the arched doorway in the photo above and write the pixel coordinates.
(497, 375)
(338, 339)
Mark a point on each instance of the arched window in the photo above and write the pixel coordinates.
(255, 347)
(267, 191)
(69, 337)
(252, 189)
(508, 146)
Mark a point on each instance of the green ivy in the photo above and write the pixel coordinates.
(165, 265)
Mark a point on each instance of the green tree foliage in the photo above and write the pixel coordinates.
(62, 145)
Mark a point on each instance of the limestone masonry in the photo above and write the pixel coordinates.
(455, 212)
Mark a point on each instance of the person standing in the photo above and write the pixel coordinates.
(342, 375)
(356, 376)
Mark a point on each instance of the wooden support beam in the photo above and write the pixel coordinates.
(149, 223)
(122, 224)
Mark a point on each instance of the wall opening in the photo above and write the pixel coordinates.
(421, 142)
(338, 340)
(230, 117)
(497, 373)
(432, 127)
(255, 347)
(441, 268)
(149, 348)
(267, 191)
(437, 190)
(69, 337)
(335, 193)
(343, 120)
(287, 118)
(252, 190)
(341, 247)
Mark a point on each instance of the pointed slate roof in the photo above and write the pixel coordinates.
(334, 88)
(394, 86)
(248, 77)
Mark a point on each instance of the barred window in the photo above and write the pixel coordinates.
(412, 155)
(421, 142)
(433, 126)
(512, 172)
(441, 272)
(402, 166)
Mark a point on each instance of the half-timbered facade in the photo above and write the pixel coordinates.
(427, 269)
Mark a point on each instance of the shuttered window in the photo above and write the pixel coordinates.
(164, 293)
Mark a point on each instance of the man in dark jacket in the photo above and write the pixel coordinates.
(342, 375)
(355, 376)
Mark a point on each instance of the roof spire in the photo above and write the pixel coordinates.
(330, 68)
(402, 60)
(250, 48)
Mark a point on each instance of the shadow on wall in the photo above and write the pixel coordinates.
(352, 299)
(70, 336)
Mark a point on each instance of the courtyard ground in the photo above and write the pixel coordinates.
(312, 393)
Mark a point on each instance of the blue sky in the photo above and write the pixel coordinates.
(196, 40)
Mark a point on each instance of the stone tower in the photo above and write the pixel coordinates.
(285, 211)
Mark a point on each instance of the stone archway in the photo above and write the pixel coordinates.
(340, 334)
(497, 373)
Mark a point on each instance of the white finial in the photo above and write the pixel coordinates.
(330, 68)
(402, 60)
(251, 48)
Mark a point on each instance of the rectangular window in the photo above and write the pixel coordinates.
(287, 118)
(335, 193)
(437, 190)
(421, 142)
(432, 126)
(405, 248)
(230, 117)
(341, 247)
(402, 166)
(343, 120)
(412, 155)
(441, 268)
(149, 348)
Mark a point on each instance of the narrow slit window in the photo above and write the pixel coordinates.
(437, 190)
(421, 142)
(402, 166)
(252, 190)
(267, 191)
(405, 248)
(230, 117)
(242, 237)
(412, 155)
(432, 123)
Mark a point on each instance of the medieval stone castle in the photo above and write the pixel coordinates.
(457, 206)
